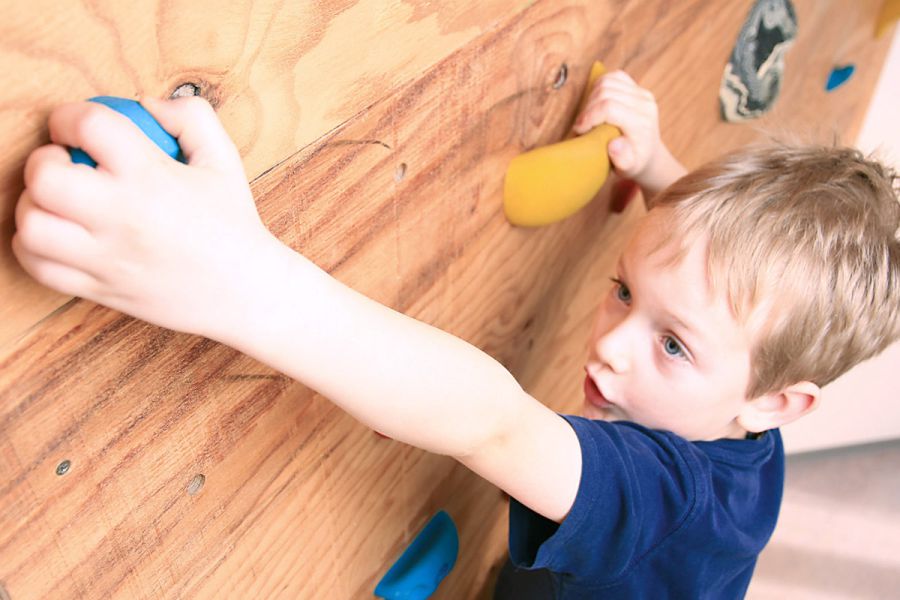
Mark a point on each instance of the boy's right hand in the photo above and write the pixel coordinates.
(639, 153)
(166, 242)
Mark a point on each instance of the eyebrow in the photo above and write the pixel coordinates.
(692, 332)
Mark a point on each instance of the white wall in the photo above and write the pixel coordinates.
(864, 404)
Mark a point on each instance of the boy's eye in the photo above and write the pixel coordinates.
(622, 291)
(672, 347)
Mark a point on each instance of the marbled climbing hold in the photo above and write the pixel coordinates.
(140, 117)
(752, 78)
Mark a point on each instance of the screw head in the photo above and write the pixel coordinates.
(185, 89)
(196, 484)
(63, 467)
(561, 76)
(400, 172)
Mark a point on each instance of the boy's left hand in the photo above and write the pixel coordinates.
(160, 240)
(639, 153)
(618, 100)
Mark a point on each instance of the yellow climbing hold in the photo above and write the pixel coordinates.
(553, 182)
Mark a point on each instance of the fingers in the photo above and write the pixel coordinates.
(50, 237)
(625, 111)
(55, 275)
(621, 81)
(56, 184)
(111, 139)
(193, 121)
(622, 154)
(620, 76)
(618, 100)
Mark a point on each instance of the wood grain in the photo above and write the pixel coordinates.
(392, 183)
(281, 75)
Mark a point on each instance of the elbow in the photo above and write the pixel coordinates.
(494, 424)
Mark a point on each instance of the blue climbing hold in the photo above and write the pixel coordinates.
(140, 117)
(838, 77)
(424, 564)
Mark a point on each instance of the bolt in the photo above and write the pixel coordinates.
(196, 484)
(400, 173)
(186, 89)
(561, 76)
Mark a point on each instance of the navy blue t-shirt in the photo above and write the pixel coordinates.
(655, 517)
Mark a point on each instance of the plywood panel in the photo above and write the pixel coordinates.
(397, 194)
(281, 74)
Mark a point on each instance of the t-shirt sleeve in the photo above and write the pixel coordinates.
(637, 487)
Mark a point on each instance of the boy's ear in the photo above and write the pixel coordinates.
(779, 408)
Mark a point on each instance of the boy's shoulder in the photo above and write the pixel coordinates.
(675, 484)
(650, 497)
(666, 447)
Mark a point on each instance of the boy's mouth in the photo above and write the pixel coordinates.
(593, 394)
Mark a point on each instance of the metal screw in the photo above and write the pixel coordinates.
(400, 173)
(63, 467)
(196, 484)
(561, 76)
(186, 89)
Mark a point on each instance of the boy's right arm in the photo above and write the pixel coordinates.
(182, 246)
(409, 380)
(640, 153)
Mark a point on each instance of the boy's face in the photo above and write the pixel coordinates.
(666, 352)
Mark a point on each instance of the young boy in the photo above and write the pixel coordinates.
(749, 284)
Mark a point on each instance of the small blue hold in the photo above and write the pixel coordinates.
(839, 76)
(424, 564)
(140, 117)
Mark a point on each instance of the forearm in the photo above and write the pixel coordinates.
(404, 378)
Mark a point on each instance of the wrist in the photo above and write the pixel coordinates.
(248, 292)
(662, 170)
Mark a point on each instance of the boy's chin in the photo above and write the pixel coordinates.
(590, 411)
(599, 413)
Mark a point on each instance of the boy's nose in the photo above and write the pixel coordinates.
(612, 348)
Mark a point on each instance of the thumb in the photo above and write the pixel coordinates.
(621, 154)
(203, 140)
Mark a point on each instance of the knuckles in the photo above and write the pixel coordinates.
(92, 121)
(29, 226)
(39, 172)
(197, 106)
(35, 267)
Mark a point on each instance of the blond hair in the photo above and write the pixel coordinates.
(804, 240)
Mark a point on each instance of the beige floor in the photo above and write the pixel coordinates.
(838, 535)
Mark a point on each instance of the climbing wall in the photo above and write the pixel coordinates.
(140, 463)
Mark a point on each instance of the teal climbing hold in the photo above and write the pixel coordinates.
(140, 117)
(838, 77)
(424, 564)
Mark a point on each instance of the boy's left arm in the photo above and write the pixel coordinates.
(182, 246)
